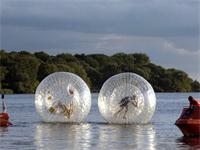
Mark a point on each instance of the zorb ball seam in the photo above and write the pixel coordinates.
(127, 98)
(63, 97)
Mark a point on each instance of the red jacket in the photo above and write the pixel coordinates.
(194, 102)
(4, 116)
(4, 120)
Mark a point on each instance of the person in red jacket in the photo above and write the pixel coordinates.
(193, 102)
(4, 117)
(193, 105)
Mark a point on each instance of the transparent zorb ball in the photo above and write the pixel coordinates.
(127, 98)
(63, 97)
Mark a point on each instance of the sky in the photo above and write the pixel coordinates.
(166, 30)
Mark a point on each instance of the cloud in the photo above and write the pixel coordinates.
(145, 18)
(168, 31)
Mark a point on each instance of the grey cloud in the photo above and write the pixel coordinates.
(168, 31)
(190, 44)
(146, 18)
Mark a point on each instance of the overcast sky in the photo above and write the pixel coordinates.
(166, 30)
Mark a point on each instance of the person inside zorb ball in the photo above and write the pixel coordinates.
(63, 97)
(127, 98)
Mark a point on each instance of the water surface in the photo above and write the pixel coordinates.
(29, 132)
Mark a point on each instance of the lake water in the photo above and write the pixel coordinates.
(30, 133)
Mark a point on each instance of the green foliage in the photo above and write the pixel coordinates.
(3, 72)
(195, 86)
(21, 72)
(45, 69)
(140, 58)
(95, 78)
(42, 56)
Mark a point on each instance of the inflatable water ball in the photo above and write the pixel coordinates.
(63, 97)
(127, 98)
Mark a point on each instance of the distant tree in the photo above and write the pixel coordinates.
(45, 69)
(123, 59)
(92, 62)
(181, 81)
(42, 56)
(80, 56)
(3, 72)
(96, 78)
(109, 70)
(67, 57)
(24, 53)
(195, 86)
(21, 72)
(78, 69)
(140, 58)
(101, 59)
(142, 71)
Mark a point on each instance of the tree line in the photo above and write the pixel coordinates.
(21, 72)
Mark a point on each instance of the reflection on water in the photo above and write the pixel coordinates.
(48, 136)
(127, 137)
(3, 131)
(95, 136)
(190, 141)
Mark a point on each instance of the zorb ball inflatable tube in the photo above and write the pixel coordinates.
(127, 98)
(63, 97)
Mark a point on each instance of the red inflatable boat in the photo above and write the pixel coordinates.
(4, 120)
(4, 117)
(189, 121)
